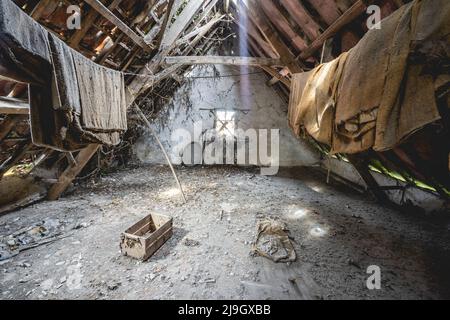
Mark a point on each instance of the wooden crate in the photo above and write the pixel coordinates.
(144, 238)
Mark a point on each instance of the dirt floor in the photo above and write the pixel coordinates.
(69, 249)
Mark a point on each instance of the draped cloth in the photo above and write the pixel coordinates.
(73, 101)
(383, 89)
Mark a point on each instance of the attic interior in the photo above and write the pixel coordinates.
(235, 149)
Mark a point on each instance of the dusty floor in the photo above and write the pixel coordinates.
(337, 235)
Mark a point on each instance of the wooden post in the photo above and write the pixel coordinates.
(361, 165)
(72, 171)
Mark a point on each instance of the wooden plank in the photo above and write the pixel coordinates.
(231, 60)
(40, 9)
(361, 165)
(72, 171)
(197, 31)
(327, 9)
(282, 24)
(87, 22)
(302, 18)
(13, 106)
(181, 22)
(257, 15)
(142, 82)
(167, 17)
(351, 14)
(256, 39)
(107, 14)
(277, 76)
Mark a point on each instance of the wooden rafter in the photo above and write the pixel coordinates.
(237, 61)
(301, 16)
(13, 106)
(258, 17)
(107, 14)
(280, 22)
(183, 20)
(351, 14)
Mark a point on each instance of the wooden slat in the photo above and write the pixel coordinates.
(199, 30)
(257, 39)
(160, 35)
(107, 14)
(13, 106)
(87, 22)
(181, 22)
(276, 77)
(142, 82)
(40, 9)
(351, 14)
(302, 18)
(237, 61)
(281, 23)
(256, 14)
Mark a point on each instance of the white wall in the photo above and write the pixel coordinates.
(264, 110)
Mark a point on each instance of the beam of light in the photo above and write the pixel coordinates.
(243, 51)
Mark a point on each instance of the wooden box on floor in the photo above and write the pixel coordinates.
(144, 238)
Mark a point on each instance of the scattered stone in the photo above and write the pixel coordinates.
(190, 242)
(209, 280)
(351, 262)
(24, 264)
(113, 286)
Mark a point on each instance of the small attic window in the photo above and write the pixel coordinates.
(225, 122)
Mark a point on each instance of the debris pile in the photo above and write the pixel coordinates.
(30, 237)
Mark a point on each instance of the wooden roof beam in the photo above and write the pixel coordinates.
(107, 14)
(302, 18)
(257, 15)
(181, 22)
(282, 24)
(88, 20)
(231, 60)
(351, 14)
(13, 106)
